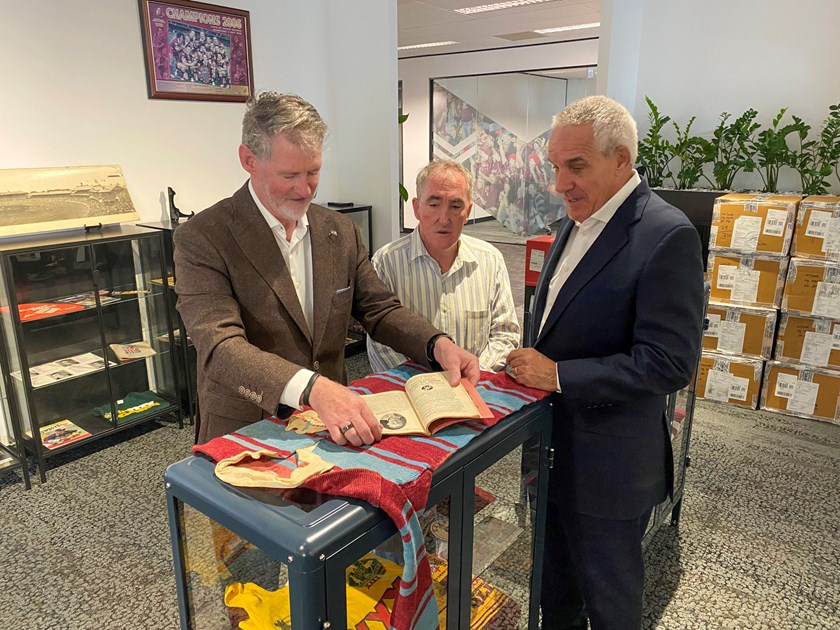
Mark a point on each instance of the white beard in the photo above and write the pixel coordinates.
(288, 214)
(285, 213)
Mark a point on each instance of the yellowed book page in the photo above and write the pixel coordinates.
(394, 412)
(433, 397)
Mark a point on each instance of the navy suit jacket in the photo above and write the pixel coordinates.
(625, 331)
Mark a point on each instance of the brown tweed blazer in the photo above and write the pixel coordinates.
(243, 315)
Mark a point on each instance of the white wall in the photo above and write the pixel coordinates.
(720, 55)
(362, 84)
(75, 93)
(416, 74)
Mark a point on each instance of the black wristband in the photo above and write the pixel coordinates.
(304, 397)
(430, 350)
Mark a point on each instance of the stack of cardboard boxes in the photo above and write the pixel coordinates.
(748, 262)
(774, 310)
(804, 378)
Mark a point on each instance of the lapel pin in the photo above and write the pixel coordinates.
(333, 233)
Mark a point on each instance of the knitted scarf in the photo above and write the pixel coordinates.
(393, 474)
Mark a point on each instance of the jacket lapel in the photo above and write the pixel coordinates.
(324, 238)
(257, 242)
(606, 246)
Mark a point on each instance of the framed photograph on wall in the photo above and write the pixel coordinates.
(197, 51)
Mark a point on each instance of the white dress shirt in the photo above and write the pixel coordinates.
(581, 238)
(472, 302)
(297, 253)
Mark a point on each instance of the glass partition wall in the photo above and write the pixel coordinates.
(498, 125)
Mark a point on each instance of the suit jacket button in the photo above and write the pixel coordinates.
(316, 365)
(241, 389)
(247, 392)
(259, 398)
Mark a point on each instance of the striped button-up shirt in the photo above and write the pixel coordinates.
(472, 302)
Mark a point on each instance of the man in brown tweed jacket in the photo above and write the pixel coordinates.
(267, 283)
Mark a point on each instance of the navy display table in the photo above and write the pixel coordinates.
(308, 540)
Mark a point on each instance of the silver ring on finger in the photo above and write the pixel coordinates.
(346, 428)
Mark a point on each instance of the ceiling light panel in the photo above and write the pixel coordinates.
(560, 29)
(498, 6)
(428, 45)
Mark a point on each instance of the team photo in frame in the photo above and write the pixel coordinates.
(197, 51)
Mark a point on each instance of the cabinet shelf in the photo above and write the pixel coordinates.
(64, 369)
(97, 427)
(60, 374)
(79, 303)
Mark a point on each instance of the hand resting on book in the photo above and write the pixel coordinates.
(338, 407)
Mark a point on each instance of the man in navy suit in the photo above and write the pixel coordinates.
(617, 320)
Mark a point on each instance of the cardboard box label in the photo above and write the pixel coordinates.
(537, 260)
(818, 224)
(831, 242)
(827, 300)
(727, 274)
(745, 233)
(804, 397)
(714, 326)
(785, 384)
(717, 385)
(746, 285)
(775, 223)
(731, 337)
(816, 348)
(738, 387)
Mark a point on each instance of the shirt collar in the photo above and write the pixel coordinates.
(418, 249)
(273, 222)
(608, 210)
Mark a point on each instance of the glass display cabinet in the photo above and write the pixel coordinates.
(185, 357)
(356, 341)
(87, 336)
(297, 559)
(680, 412)
(361, 215)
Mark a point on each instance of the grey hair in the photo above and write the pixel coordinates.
(270, 113)
(611, 122)
(448, 166)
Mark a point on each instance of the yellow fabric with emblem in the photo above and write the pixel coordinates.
(367, 580)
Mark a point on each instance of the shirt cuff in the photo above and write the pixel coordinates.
(290, 396)
(557, 376)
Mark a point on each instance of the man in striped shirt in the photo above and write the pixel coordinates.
(459, 283)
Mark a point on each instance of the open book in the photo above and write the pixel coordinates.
(428, 404)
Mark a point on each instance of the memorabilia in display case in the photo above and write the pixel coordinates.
(86, 336)
(306, 559)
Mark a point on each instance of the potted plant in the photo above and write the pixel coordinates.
(817, 159)
(771, 150)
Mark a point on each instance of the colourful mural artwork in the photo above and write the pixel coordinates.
(513, 179)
